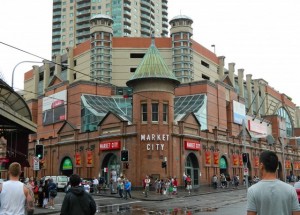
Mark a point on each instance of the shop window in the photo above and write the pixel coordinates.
(154, 112)
(165, 112)
(144, 112)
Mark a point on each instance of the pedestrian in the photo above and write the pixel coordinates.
(95, 185)
(127, 188)
(236, 181)
(86, 186)
(45, 194)
(184, 179)
(188, 184)
(14, 194)
(121, 187)
(52, 193)
(40, 194)
(77, 201)
(175, 185)
(271, 196)
(215, 181)
(147, 185)
(36, 193)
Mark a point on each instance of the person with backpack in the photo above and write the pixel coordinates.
(77, 201)
(52, 193)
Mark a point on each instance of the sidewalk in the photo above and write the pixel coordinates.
(153, 196)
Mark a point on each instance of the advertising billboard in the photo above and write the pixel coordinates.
(54, 108)
(239, 112)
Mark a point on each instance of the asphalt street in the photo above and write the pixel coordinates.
(221, 202)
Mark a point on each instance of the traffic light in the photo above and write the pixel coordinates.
(39, 151)
(124, 155)
(163, 164)
(245, 157)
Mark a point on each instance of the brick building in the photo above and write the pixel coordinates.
(165, 100)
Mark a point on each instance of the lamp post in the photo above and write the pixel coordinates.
(13, 72)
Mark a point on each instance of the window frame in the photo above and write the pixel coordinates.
(154, 115)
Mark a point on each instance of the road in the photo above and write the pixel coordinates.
(224, 203)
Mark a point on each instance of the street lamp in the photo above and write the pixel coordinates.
(13, 72)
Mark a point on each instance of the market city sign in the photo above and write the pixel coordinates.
(155, 138)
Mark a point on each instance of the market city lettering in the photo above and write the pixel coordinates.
(154, 137)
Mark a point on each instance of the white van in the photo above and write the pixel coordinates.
(62, 182)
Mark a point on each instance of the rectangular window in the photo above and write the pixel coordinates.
(144, 112)
(205, 77)
(165, 112)
(204, 64)
(132, 69)
(154, 112)
(137, 55)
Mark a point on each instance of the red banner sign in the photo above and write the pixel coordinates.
(216, 158)
(296, 165)
(287, 164)
(207, 158)
(77, 159)
(192, 145)
(114, 145)
(241, 160)
(256, 161)
(235, 160)
(89, 159)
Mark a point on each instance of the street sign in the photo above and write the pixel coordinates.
(246, 172)
(36, 163)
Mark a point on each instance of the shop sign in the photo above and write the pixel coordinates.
(260, 128)
(89, 158)
(216, 158)
(235, 160)
(67, 164)
(192, 145)
(223, 164)
(207, 158)
(77, 159)
(114, 145)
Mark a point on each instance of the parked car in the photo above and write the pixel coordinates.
(62, 182)
(297, 187)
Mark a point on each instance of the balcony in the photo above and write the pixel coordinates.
(84, 6)
(164, 5)
(56, 7)
(127, 6)
(55, 14)
(145, 24)
(127, 21)
(165, 18)
(146, 3)
(83, 20)
(127, 14)
(56, 20)
(145, 11)
(83, 27)
(165, 24)
(164, 12)
(83, 13)
(55, 27)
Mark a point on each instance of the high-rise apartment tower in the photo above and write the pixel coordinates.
(131, 18)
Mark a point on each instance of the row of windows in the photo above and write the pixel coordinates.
(154, 112)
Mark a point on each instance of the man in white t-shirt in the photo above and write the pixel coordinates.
(14, 194)
(271, 196)
(95, 185)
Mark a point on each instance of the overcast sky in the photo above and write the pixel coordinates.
(260, 36)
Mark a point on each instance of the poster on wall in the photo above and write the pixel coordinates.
(287, 164)
(241, 160)
(67, 164)
(54, 107)
(77, 159)
(207, 158)
(235, 160)
(216, 158)
(239, 112)
(256, 161)
(89, 159)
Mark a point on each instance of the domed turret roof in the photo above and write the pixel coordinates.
(180, 17)
(153, 66)
(101, 16)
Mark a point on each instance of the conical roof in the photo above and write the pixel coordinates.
(153, 66)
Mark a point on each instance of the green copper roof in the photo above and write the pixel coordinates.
(153, 66)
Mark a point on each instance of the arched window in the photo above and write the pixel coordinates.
(283, 113)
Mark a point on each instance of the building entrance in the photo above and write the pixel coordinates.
(192, 169)
(110, 168)
(66, 167)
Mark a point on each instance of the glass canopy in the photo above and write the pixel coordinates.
(94, 108)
